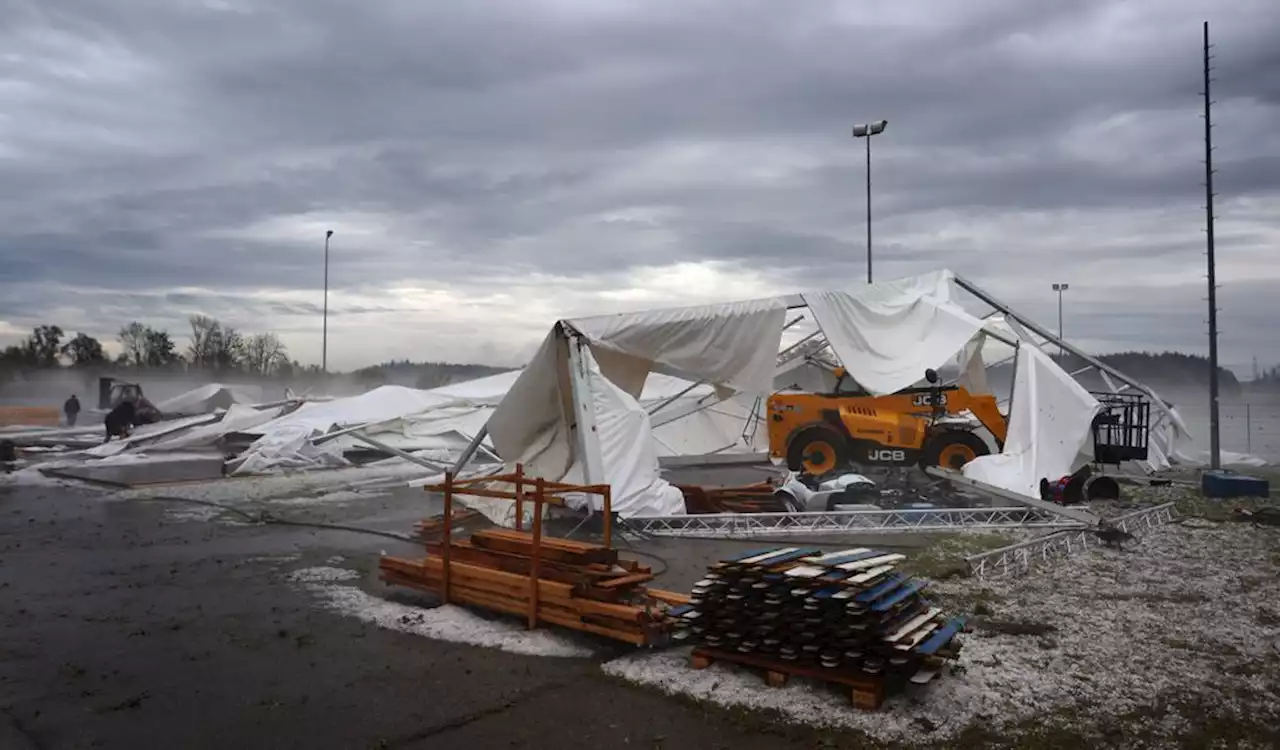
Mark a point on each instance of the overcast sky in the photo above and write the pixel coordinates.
(489, 167)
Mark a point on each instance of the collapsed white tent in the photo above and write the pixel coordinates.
(208, 398)
(885, 335)
(606, 397)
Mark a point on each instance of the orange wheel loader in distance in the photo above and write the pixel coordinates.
(817, 433)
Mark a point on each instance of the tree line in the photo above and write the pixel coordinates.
(213, 347)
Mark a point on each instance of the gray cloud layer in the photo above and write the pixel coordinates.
(160, 158)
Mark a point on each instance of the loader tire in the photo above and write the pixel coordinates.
(952, 449)
(817, 451)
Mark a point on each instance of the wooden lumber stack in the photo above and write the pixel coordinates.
(579, 585)
(430, 529)
(848, 617)
(753, 498)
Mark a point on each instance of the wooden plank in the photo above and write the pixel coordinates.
(524, 536)
(886, 602)
(613, 583)
(669, 597)
(447, 535)
(551, 550)
(869, 575)
(512, 585)
(912, 624)
(536, 556)
(832, 559)
(940, 638)
(879, 590)
(521, 595)
(915, 638)
(872, 562)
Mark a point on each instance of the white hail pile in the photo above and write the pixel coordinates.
(444, 623)
(1185, 614)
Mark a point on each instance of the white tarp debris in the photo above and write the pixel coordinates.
(887, 334)
(627, 447)
(1049, 429)
(238, 418)
(149, 433)
(703, 343)
(286, 442)
(208, 398)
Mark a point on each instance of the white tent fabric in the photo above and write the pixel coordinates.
(1049, 428)
(209, 397)
(238, 418)
(630, 458)
(887, 334)
(704, 343)
(733, 344)
(286, 442)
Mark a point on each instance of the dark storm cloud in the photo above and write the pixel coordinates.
(153, 146)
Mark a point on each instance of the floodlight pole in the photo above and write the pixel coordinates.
(1215, 447)
(1060, 288)
(324, 338)
(865, 132)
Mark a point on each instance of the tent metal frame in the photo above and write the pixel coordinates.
(745, 525)
(806, 347)
(1017, 559)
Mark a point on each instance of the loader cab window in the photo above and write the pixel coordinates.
(847, 386)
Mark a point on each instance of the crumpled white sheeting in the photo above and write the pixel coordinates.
(733, 344)
(1049, 429)
(629, 453)
(210, 396)
(287, 447)
(888, 333)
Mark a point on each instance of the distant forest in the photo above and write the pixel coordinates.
(422, 374)
(214, 349)
(1155, 369)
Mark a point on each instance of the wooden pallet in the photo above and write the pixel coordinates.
(866, 691)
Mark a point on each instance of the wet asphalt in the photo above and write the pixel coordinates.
(124, 627)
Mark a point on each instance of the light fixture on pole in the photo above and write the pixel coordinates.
(866, 131)
(324, 340)
(1060, 288)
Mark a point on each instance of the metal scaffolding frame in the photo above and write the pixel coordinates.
(747, 525)
(1025, 327)
(1017, 559)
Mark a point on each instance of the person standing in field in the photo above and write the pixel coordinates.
(72, 409)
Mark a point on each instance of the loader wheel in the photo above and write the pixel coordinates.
(953, 449)
(816, 451)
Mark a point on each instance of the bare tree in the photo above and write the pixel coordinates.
(133, 338)
(204, 330)
(264, 354)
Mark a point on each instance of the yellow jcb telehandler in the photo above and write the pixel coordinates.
(817, 433)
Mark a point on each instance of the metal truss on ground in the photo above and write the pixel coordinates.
(1017, 559)
(746, 525)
